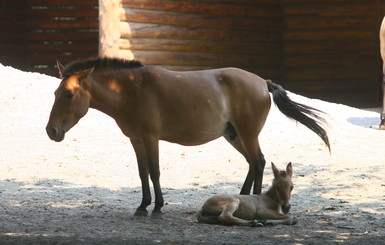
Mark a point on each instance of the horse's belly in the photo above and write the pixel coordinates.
(191, 138)
(195, 132)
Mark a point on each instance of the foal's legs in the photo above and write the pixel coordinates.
(227, 217)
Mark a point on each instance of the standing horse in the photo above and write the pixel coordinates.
(269, 208)
(190, 108)
(382, 51)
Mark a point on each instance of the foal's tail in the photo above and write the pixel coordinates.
(308, 116)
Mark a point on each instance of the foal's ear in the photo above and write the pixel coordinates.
(275, 170)
(289, 169)
(84, 74)
(60, 67)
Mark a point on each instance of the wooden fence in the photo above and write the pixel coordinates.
(184, 35)
(320, 48)
(331, 49)
(327, 49)
(37, 32)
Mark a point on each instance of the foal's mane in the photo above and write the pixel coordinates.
(98, 64)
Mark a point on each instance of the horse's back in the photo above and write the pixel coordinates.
(195, 107)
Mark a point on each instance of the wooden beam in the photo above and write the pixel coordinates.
(109, 31)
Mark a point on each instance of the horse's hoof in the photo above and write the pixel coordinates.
(156, 214)
(140, 212)
(258, 223)
(294, 221)
(382, 126)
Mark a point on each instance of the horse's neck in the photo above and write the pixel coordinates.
(271, 193)
(104, 94)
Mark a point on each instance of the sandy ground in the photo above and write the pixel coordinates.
(85, 189)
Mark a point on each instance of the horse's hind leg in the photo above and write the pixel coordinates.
(257, 166)
(252, 174)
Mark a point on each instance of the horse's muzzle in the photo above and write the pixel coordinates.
(55, 134)
(286, 208)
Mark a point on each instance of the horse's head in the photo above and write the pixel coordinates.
(71, 103)
(283, 186)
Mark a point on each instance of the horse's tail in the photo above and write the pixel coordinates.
(208, 219)
(308, 116)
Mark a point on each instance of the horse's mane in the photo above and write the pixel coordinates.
(99, 63)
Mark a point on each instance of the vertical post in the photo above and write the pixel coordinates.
(109, 32)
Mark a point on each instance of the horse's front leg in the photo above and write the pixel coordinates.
(151, 146)
(143, 173)
(285, 221)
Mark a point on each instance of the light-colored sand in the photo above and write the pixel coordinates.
(87, 187)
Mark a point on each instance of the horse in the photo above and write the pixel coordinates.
(382, 51)
(150, 103)
(268, 208)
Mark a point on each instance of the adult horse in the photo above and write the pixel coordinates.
(190, 108)
(382, 51)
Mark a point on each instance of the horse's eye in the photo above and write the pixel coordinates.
(291, 187)
(70, 95)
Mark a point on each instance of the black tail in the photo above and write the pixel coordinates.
(308, 116)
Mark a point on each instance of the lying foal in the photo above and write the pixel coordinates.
(269, 208)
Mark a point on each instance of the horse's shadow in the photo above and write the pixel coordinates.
(49, 211)
(366, 122)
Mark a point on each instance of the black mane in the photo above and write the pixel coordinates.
(99, 63)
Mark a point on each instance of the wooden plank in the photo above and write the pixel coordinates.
(329, 60)
(209, 46)
(109, 34)
(332, 84)
(322, 1)
(212, 9)
(58, 13)
(155, 31)
(57, 25)
(331, 9)
(329, 34)
(61, 3)
(201, 59)
(63, 35)
(336, 73)
(73, 47)
(329, 47)
(201, 21)
(333, 22)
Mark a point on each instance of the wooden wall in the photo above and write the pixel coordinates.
(12, 36)
(326, 49)
(37, 32)
(185, 35)
(331, 49)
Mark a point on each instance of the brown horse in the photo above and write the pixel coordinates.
(190, 108)
(269, 208)
(382, 51)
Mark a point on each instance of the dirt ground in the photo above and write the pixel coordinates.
(85, 189)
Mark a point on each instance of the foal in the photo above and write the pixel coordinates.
(269, 208)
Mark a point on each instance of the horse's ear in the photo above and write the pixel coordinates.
(275, 170)
(289, 169)
(85, 73)
(60, 67)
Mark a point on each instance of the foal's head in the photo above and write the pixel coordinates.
(283, 186)
(71, 103)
